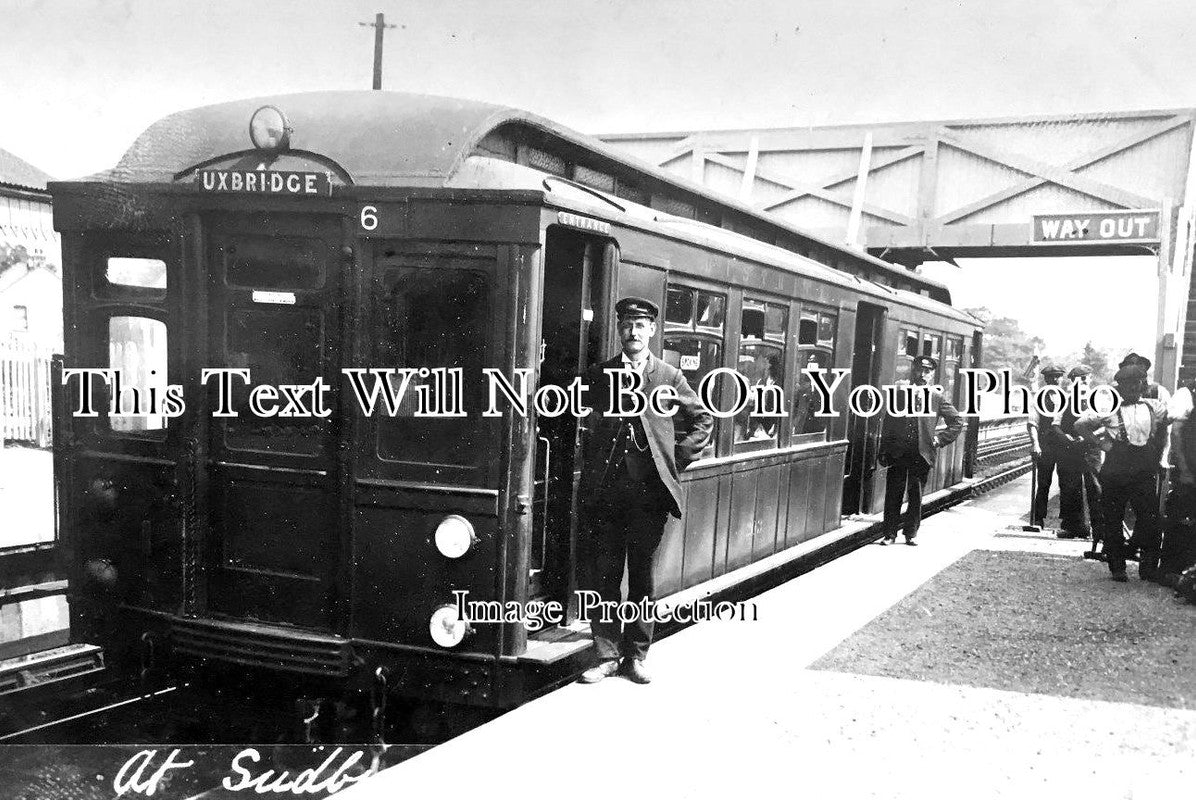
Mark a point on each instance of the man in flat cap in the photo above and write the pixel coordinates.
(629, 484)
(1045, 450)
(907, 447)
(1128, 475)
(1153, 390)
(1079, 464)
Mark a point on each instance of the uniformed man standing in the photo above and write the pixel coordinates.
(1045, 450)
(907, 447)
(1078, 464)
(629, 484)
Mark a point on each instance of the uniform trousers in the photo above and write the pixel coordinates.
(907, 476)
(1139, 490)
(625, 523)
(1046, 465)
(1079, 486)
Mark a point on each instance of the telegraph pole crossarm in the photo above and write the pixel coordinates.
(379, 25)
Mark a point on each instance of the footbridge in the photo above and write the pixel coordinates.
(1083, 184)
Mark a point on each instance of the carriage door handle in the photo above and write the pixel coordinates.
(544, 500)
(547, 467)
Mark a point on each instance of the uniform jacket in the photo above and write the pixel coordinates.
(675, 441)
(928, 440)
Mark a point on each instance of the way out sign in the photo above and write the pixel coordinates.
(1098, 226)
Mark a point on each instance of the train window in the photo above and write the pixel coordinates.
(908, 343)
(268, 262)
(679, 306)
(545, 161)
(908, 348)
(632, 193)
(693, 335)
(594, 178)
(762, 361)
(816, 328)
(140, 273)
(951, 361)
(816, 350)
(954, 348)
(932, 345)
(137, 348)
(278, 344)
(433, 316)
(671, 205)
(805, 400)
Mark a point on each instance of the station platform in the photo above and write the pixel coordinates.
(987, 662)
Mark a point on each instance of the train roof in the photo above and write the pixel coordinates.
(398, 139)
(483, 172)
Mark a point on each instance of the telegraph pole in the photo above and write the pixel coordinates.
(379, 25)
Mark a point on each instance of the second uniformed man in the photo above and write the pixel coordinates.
(629, 485)
(1079, 464)
(1045, 450)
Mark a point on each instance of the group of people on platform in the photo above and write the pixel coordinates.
(629, 482)
(1107, 463)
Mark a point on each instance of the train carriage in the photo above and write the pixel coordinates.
(297, 236)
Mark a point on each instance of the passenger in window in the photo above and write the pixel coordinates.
(806, 402)
(907, 448)
(629, 486)
(762, 370)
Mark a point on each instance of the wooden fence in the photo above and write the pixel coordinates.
(25, 392)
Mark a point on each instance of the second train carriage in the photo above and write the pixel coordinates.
(299, 235)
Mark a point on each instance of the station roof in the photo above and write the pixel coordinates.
(399, 139)
(21, 174)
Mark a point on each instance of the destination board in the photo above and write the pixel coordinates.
(250, 181)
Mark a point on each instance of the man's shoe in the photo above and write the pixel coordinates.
(636, 671)
(911, 542)
(1120, 577)
(603, 670)
(1071, 535)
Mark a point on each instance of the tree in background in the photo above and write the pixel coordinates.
(1097, 361)
(1006, 345)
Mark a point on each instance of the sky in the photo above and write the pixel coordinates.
(1067, 301)
(83, 78)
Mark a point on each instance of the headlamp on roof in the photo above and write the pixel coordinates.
(269, 129)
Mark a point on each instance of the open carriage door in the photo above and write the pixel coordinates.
(577, 280)
(275, 309)
(863, 432)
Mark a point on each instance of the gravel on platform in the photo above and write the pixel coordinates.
(1034, 622)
